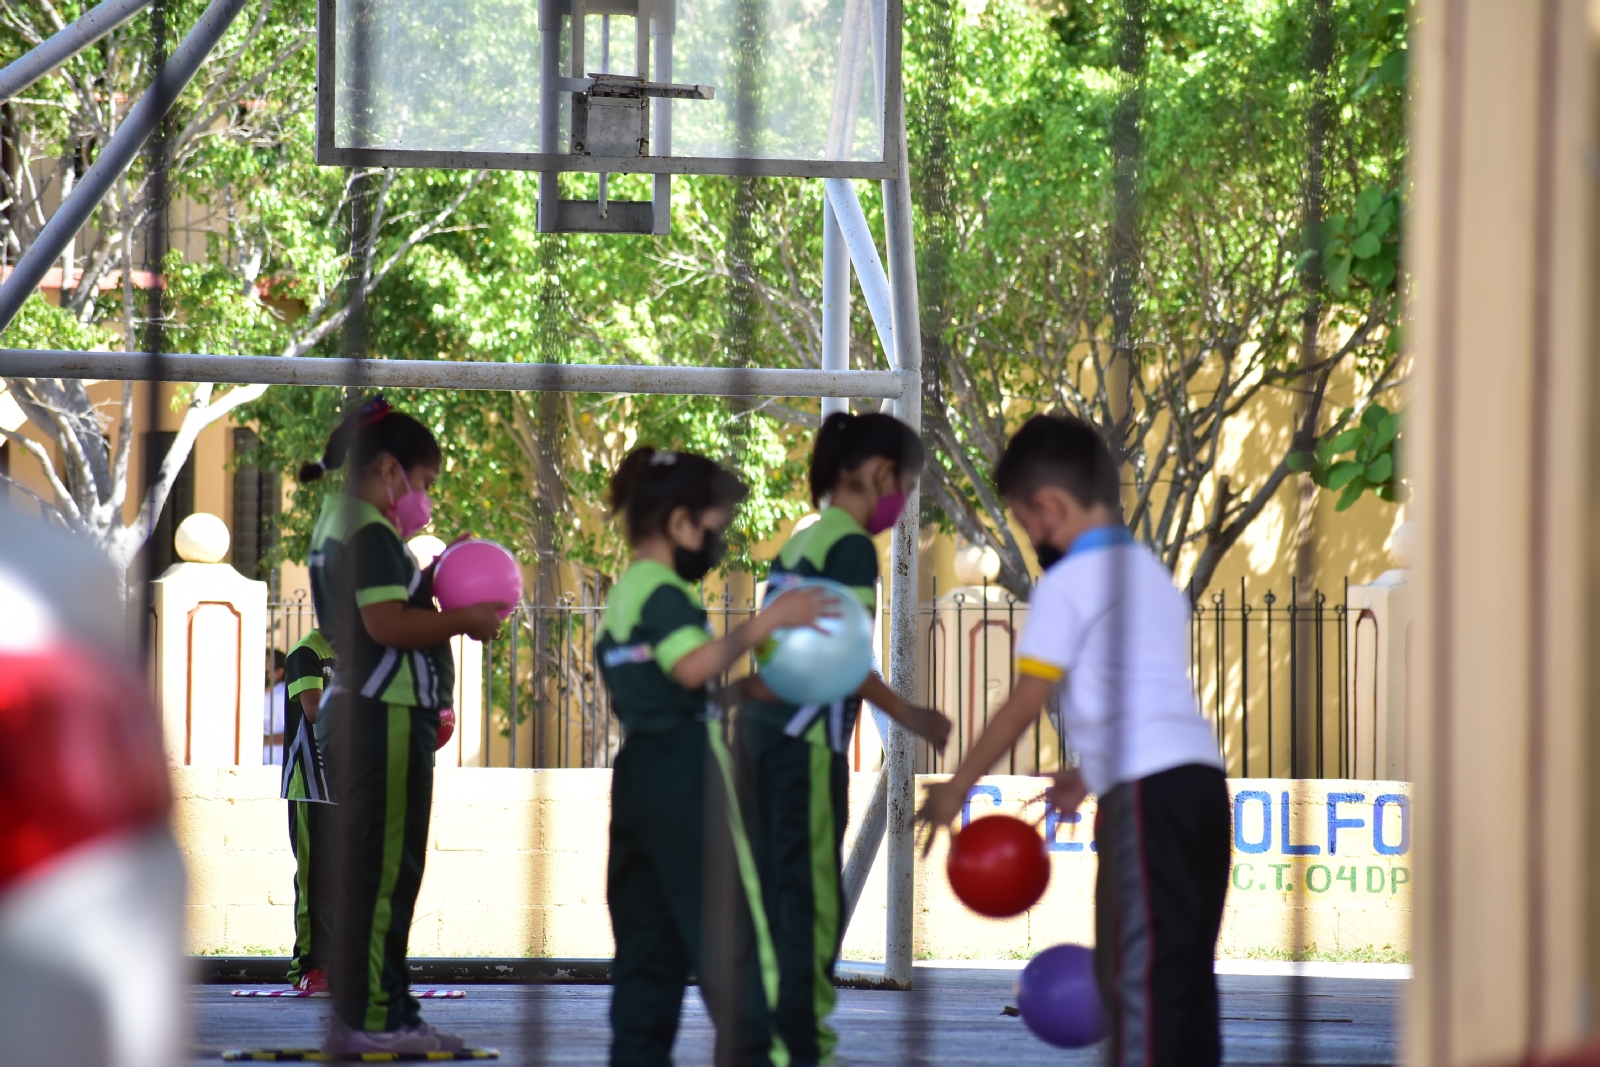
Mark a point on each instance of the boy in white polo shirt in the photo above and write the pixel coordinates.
(1108, 628)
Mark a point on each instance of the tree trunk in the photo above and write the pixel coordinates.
(1304, 758)
(1125, 252)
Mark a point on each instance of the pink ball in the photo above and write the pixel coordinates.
(477, 572)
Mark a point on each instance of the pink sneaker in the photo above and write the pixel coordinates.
(342, 1040)
(447, 1042)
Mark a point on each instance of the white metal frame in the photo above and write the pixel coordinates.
(891, 297)
(331, 154)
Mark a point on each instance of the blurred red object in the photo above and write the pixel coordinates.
(81, 755)
(998, 866)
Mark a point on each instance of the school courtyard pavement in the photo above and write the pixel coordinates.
(1279, 1014)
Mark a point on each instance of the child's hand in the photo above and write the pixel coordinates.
(930, 724)
(1067, 790)
(939, 809)
(802, 607)
(481, 622)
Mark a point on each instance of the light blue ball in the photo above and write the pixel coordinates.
(804, 666)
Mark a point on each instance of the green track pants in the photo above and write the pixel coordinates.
(309, 832)
(680, 883)
(796, 803)
(382, 761)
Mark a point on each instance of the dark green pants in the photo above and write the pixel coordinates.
(797, 803)
(381, 757)
(680, 895)
(313, 886)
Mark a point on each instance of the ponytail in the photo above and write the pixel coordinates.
(847, 441)
(374, 430)
(650, 484)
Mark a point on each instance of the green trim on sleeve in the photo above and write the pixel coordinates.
(381, 594)
(627, 599)
(300, 685)
(678, 644)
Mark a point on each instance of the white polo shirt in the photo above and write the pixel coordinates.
(1126, 724)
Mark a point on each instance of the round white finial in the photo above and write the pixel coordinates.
(202, 538)
(976, 564)
(425, 548)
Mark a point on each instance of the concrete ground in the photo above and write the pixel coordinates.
(954, 1017)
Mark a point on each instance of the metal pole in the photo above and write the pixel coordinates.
(852, 224)
(449, 374)
(549, 110)
(865, 849)
(141, 121)
(835, 303)
(57, 49)
(664, 23)
(900, 759)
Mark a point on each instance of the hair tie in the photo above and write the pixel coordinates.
(663, 459)
(374, 410)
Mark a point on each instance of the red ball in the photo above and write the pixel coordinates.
(447, 726)
(998, 866)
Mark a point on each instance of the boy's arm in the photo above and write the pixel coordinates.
(1021, 710)
(310, 701)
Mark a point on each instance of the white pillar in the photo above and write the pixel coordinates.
(211, 649)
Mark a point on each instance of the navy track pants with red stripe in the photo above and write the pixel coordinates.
(1162, 881)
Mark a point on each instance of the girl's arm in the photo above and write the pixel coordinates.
(797, 607)
(1021, 710)
(397, 624)
(927, 723)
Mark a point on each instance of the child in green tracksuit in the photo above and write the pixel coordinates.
(862, 468)
(680, 882)
(394, 673)
(309, 671)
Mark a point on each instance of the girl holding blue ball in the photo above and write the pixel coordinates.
(863, 467)
(679, 856)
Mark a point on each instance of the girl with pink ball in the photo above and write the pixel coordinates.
(395, 673)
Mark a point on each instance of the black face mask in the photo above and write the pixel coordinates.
(694, 564)
(1049, 555)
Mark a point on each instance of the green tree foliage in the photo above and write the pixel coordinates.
(239, 149)
(478, 292)
(1371, 464)
(1215, 323)
(1012, 111)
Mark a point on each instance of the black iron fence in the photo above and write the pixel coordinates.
(1272, 674)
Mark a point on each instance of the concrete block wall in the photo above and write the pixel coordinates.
(516, 867)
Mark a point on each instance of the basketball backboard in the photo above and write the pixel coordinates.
(612, 86)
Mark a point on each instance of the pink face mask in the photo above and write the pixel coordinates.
(411, 512)
(887, 513)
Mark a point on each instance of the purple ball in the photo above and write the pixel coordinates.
(1059, 999)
